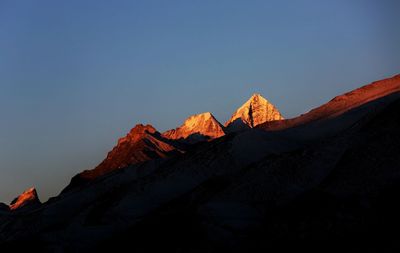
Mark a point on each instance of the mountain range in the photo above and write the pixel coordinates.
(325, 180)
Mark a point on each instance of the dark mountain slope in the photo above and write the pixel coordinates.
(339, 192)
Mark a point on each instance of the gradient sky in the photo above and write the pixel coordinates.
(77, 75)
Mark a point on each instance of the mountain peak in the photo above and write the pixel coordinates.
(141, 144)
(257, 95)
(255, 111)
(140, 128)
(137, 133)
(193, 121)
(203, 124)
(27, 198)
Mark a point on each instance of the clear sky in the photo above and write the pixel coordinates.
(77, 75)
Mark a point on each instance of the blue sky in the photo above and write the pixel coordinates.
(77, 75)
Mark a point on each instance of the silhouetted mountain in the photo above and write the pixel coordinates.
(327, 182)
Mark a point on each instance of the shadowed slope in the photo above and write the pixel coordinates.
(339, 192)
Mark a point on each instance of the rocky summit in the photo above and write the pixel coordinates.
(199, 125)
(255, 111)
(28, 198)
(142, 143)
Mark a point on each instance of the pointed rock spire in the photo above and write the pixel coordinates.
(255, 111)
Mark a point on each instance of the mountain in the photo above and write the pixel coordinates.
(255, 111)
(340, 104)
(329, 184)
(197, 127)
(141, 144)
(28, 199)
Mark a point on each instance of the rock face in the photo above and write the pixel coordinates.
(28, 198)
(197, 126)
(141, 144)
(255, 111)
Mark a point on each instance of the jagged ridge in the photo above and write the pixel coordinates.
(340, 104)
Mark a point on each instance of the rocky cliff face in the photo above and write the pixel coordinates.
(255, 111)
(141, 144)
(200, 125)
(28, 198)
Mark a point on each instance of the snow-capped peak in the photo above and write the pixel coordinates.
(255, 111)
(203, 124)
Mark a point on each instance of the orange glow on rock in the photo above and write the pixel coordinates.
(27, 196)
